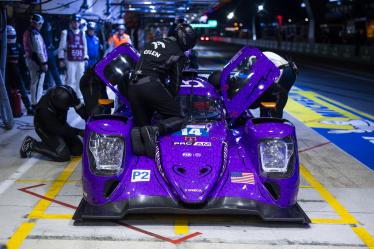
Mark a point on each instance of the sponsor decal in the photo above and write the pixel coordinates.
(151, 52)
(189, 154)
(140, 175)
(202, 144)
(194, 190)
(192, 83)
(190, 139)
(197, 132)
(158, 43)
(242, 177)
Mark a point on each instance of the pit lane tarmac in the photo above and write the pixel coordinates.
(39, 197)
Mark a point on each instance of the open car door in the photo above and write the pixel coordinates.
(242, 83)
(112, 69)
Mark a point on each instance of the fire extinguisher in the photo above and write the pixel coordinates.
(16, 103)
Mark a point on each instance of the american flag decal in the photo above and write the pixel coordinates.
(242, 177)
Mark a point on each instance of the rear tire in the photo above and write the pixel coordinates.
(137, 142)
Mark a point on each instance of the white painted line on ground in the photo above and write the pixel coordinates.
(4, 185)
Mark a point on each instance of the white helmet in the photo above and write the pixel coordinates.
(11, 34)
(83, 25)
(37, 19)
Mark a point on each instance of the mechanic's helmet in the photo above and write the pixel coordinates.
(83, 25)
(214, 78)
(180, 19)
(11, 34)
(186, 36)
(121, 27)
(62, 97)
(91, 26)
(37, 19)
(76, 17)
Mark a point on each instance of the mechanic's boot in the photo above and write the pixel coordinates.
(26, 147)
(138, 147)
(150, 135)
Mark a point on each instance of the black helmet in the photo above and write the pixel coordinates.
(62, 97)
(76, 17)
(186, 36)
(91, 26)
(37, 19)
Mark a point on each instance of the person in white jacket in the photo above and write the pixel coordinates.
(36, 56)
(73, 53)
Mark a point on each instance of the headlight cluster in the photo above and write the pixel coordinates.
(275, 155)
(107, 151)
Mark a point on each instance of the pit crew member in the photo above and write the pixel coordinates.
(160, 61)
(59, 141)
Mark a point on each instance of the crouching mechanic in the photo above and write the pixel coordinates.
(59, 140)
(161, 60)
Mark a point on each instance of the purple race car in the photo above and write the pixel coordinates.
(225, 161)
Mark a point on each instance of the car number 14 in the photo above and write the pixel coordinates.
(194, 132)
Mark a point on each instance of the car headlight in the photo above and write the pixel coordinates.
(275, 155)
(107, 151)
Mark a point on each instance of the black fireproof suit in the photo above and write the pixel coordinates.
(150, 91)
(60, 141)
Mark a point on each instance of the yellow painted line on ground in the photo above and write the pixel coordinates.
(45, 181)
(54, 216)
(181, 226)
(24, 230)
(329, 198)
(19, 236)
(349, 108)
(56, 187)
(312, 118)
(365, 236)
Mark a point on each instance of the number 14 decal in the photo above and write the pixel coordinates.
(194, 132)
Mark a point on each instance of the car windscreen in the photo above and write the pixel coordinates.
(201, 108)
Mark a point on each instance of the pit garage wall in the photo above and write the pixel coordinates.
(342, 52)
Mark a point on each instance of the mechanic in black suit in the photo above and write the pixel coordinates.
(60, 141)
(155, 84)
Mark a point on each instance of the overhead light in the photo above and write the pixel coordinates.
(230, 15)
(289, 20)
(260, 7)
(153, 11)
(152, 7)
(147, 2)
(306, 19)
(303, 5)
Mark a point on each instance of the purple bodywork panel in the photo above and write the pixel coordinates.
(205, 161)
(124, 49)
(264, 75)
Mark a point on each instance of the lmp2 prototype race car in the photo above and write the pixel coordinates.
(225, 161)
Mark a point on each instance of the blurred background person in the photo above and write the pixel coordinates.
(93, 44)
(14, 82)
(52, 75)
(118, 38)
(36, 56)
(73, 53)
